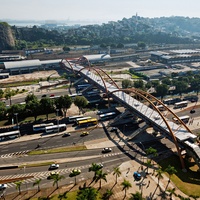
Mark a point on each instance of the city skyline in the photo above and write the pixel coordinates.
(95, 11)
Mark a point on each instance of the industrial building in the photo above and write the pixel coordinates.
(176, 56)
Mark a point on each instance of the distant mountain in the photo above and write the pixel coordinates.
(173, 30)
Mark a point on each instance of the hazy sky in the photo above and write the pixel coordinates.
(93, 10)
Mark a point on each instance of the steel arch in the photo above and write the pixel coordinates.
(139, 93)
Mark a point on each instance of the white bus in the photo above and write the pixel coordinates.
(55, 128)
(181, 104)
(9, 135)
(161, 107)
(73, 118)
(82, 118)
(185, 119)
(106, 116)
(41, 127)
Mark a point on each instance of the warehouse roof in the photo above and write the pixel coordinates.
(22, 64)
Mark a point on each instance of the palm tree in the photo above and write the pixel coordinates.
(107, 194)
(56, 178)
(117, 173)
(18, 186)
(100, 176)
(148, 164)
(88, 193)
(37, 182)
(74, 173)
(170, 170)
(136, 196)
(126, 185)
(159, 174)
(94, 168)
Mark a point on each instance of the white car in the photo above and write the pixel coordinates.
(3, 186)
(53, 166)
(106, 150)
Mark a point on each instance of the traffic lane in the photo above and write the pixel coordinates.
(15, 100)
(52, 157)
(100, 158)
(51, 141)
(109, 164)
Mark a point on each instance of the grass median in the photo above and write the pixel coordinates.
(58, 150)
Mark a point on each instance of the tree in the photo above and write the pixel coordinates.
(117, 173)
(100, 176)
(148, 164)
(181, 87)
(139, 84)
(30, 97)
(74, 173)
(107, 194)
(46, 106)
(18, 186)
(8, 94)
(65, 48)
(136, 196)
(56, 178)
(94, 168)
(86, 193)
(159, 174)
(126, 185)
(162, 90)
(141, 44)
(1, 93)
(2, 110)
(34, 107)
(126, 83)
(37, 182)
(80, 102)
(170, 170)
(64, 103)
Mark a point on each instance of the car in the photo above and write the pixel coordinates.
(44, 95)
(66, 134)
(53, 166)
(137, 176)
(84, 133)
(100, 165)
(3, 186)
(113, 129)
(51, 175)
(52, 95)
(106, 150)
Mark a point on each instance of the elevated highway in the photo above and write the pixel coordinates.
(142, 104)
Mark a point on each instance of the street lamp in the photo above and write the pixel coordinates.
(16, 114)
(57, 110)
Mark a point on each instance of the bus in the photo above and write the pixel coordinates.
(9, 135)
(41, 127)
(73, 118)
(55, 128)
(92, 93)
(88, 122)
(181, 104)
(83, 86)
(161, 107)
(106, 116)
(185, 119)
(82, 118)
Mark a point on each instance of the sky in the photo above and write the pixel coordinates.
(95, 11)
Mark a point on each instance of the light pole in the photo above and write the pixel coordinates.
(16, 114)
(25, 175)
(57, 110)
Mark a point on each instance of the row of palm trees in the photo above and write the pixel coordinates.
(100, 176)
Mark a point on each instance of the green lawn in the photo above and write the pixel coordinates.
(188, 182)
(58, 150)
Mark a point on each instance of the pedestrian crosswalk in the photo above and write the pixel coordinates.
(15, 154)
